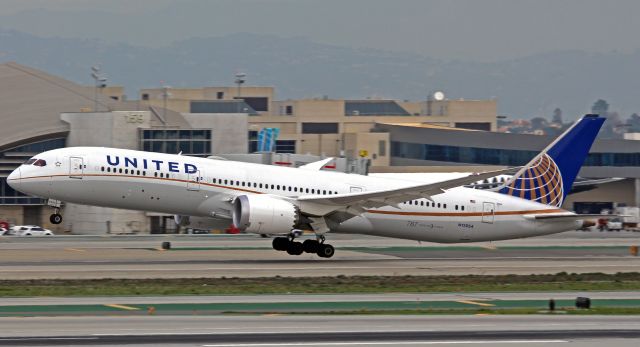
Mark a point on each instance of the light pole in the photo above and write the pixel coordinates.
(165, 96)
(100, 82)
(241, 77)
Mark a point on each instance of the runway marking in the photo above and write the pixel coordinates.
(47, 338)
(475, 303)
(123, 307)
(75, 250)
(465, 342)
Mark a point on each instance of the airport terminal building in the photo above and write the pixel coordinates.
(42, 112)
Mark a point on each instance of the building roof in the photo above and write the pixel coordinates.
(373, 108)
(222, 106)
(428, 126)
(31, 102)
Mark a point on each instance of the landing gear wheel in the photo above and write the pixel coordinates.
(326, 251)
(55, 218)
(311, 246)
(280, 243)
(295, 248)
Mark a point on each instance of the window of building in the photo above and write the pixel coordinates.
(288, 110)
(286, 146)
(145, 96)
(498, 156)
(253, 141)
(319, 128)
(258, 103)
(220, 95)
(382, 148)
(195, 142)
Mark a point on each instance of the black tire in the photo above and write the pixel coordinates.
(326, 251)
(55, 218)
(295, 248)
(311, 246)
(280, 243)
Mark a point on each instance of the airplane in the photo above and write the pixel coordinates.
(282, 202)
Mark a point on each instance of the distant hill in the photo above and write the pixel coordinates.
(527, 87)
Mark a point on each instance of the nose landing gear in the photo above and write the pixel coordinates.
(56, 217)
(292, 247)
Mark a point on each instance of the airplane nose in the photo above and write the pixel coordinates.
(14, 179)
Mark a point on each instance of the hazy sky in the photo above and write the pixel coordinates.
(486, 30)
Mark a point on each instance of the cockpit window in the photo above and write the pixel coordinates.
(40, 162)
(30, 161)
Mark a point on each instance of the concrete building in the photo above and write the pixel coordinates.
(330, 127)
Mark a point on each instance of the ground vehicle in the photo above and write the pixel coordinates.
(31, 230)
(3, 231)
(614, 224)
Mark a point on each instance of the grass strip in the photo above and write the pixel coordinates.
(321, 285)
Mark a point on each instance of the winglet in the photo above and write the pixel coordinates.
(316, 165)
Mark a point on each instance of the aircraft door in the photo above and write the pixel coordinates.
(488, 212)
(76, 167)
(193, 181)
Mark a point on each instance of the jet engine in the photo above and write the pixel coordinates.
(262, 214)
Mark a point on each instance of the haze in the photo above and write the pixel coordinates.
(490, 30)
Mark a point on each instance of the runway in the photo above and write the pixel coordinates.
(251, 256)
(218, 331)
(201, 321)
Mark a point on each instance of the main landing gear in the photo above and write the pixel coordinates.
(288, 244)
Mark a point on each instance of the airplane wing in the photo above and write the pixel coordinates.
(358, 202)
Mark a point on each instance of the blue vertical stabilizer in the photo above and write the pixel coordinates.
(549, 176)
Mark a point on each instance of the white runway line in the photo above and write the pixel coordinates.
(390, 343)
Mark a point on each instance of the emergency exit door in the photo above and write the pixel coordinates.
(76, 167)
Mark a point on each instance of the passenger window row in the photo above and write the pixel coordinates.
(432, 204)
(228, 182)
(273, 187)
(133, 172)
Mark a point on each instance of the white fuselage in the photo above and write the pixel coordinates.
(184, 185)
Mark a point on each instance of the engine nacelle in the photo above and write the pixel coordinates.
(262, 214)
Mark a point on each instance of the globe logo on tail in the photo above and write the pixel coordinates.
(540, 182)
